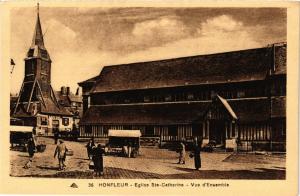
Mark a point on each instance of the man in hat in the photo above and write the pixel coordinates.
(61, 151)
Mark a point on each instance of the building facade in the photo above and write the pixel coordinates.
(71, 102)
(37, 104)
(236, 100)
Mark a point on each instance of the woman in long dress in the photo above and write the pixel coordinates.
(98, 160)
(196, 154)
(197, 157)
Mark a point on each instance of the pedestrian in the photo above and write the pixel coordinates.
(98, 159)
(196, 154)
(129, 148)
(61, 152)
(89, 148)
(56, 136)
(181, 151)
(31, 151)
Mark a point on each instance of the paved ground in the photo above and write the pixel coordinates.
(152, 163)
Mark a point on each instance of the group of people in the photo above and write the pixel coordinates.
(60, 151)
(95, 153)
(195, 153)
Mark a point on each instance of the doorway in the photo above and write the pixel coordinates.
(217, 131)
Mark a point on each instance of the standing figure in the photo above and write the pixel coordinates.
(98, 159)
(129, 148)
(89, 148)
(196, 155)
(56, 135)
(181, 153)
(31, 151)
(61, 152)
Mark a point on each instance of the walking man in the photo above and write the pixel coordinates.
(56, 135)
(61, 151)
(89, 148)
(181, 153)
(31, 151)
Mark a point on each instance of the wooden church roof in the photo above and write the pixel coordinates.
(236, 66)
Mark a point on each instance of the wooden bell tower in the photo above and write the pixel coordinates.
(36, 87)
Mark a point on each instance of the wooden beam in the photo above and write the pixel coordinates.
(207, 130)
(28, 82)
(31, 95)
(55, 100)
(18, 100)
(39, 87)
(203, 129)
(226, 130)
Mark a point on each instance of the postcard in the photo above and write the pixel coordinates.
(140, 97)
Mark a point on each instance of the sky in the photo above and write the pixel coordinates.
(81, 40)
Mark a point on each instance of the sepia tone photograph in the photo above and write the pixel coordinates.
(148, 92)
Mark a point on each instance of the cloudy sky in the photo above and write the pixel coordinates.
(81, 41)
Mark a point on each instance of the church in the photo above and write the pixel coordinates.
(37, 104)
(234, 100)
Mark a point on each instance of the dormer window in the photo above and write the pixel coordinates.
(30, 53)
(44, 54)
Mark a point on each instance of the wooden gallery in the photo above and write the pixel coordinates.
(236, 100)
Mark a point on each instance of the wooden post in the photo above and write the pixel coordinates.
(271, 136)
(203, 129)
(226, 130)
(30, 95)
(207, 129)
(39, 87)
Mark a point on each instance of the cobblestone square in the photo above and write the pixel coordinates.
(152, 163)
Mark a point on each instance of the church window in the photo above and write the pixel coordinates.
(44, 69)
(146, 99)
(240, 94)
(65, 121)
(88, 129)
(173, 130)
(149, 131)
(44, 54)
(190, 96)
(29, 68)
(44, 121)
(168, 98)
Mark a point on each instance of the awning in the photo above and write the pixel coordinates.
(21, 128)
(124, 133)
(228, 107)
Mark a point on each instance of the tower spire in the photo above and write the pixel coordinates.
(38, 39)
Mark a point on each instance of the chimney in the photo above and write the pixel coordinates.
(68, 90)
(77, 91)
(63, 90)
